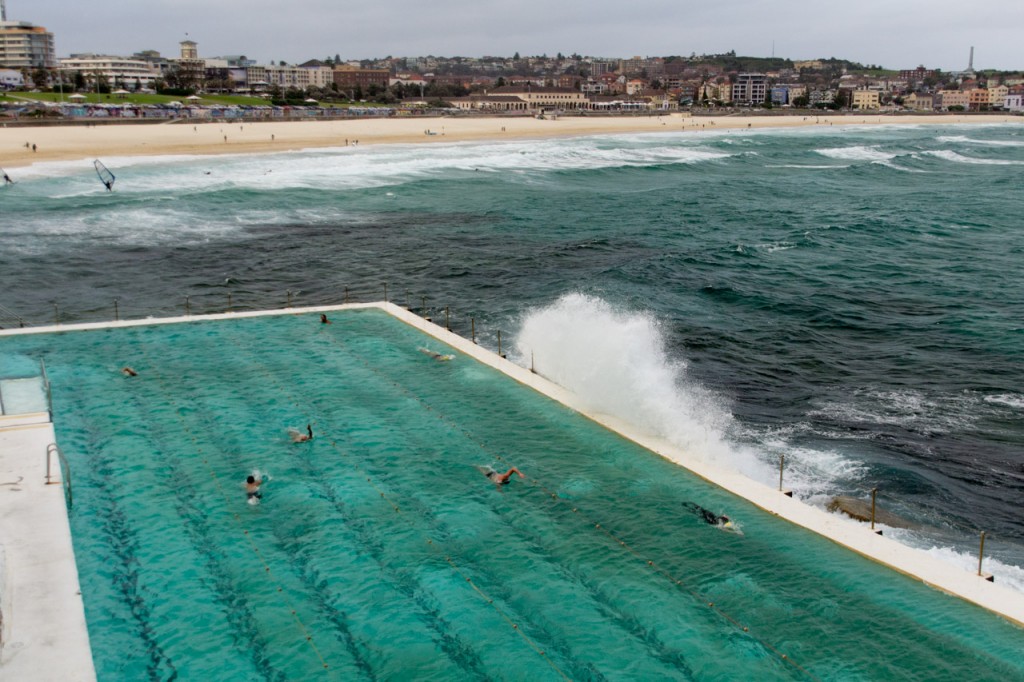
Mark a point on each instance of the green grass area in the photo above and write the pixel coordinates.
(138, 98)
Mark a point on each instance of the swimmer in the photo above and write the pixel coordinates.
(436, 356)
(252, 488)
(323, 319)
(299, 437)
(129, 372)
(709, 517)
(501, 478)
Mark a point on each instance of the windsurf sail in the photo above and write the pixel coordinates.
(106, 177)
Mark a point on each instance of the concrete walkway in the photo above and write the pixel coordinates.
(43, 635)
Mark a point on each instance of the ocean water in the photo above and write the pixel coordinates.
(850, 297)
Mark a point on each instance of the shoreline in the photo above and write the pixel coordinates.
(78, 142)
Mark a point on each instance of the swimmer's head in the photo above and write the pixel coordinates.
(725, 519)
(250, 479)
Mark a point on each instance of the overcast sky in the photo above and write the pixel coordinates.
(897, 34)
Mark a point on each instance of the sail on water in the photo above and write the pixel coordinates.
(106, 177)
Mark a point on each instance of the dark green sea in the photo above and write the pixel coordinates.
(852, 298)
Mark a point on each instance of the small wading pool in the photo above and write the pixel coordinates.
(379, 551)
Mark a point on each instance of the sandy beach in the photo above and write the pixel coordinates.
(74, 142)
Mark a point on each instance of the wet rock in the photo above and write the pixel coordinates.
(861, 511)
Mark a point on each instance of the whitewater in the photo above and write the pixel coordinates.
(849, 298)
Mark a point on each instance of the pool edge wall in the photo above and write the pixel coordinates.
(33, 643)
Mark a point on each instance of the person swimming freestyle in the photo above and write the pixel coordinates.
(708, 516)
(501, 478)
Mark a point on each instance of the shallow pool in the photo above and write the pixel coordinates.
(380, 551)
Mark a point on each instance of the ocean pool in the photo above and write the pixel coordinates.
(379, 551)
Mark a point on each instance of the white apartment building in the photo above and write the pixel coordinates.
(121, 72)
(24, 46)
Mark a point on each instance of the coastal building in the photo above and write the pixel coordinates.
(952, 98)
(977, 99)
(917, 76)
(11, 79)
(919, 101)
(189, 70)
(347, 77)
(997, 96)
(1014, 102)
(864, 99)
(780, 95)
(117, 72)
(489, 103)
(25, 46)
(541, 98)
(750, 88)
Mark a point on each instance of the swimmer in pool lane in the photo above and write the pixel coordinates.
(437, 356)
(323, 319)
(252, 489)
(129, 372)
(299, 437)
(709, 517)
(501, 478)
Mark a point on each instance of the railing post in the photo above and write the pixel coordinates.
(56, 314)
(533, 368)
(188, 307)
(289, 291)
(499, 344)
(385, 292)
(782, 466)
(447, 326)
(117, 312)
(874, 492)
(981, 557)
(345, 300)
(229, 303)
(472, 329)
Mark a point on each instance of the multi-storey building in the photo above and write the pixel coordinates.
(189, 69)
(24, 46)
(117, 72)
(348, 77)
(864, 99)
(750, 88)
(919, 101)
(953, 98)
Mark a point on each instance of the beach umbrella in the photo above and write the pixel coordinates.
(193, 98)
(77, 98)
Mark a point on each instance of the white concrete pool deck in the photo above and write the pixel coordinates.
(44, 629)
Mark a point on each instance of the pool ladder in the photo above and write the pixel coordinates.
(65, 470)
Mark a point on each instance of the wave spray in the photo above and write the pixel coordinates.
(615, 360)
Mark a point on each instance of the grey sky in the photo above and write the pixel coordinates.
(894, 33)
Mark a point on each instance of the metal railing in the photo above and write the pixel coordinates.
(65, 470)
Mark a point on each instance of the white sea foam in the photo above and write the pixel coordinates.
(836, 166)
(1007, 399)
(950, 155)
(990, 143)
(1005, 574)
(857, 153)
(907, 409)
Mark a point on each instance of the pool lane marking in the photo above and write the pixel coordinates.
(490, 601)
(665, 573)
(234, 514)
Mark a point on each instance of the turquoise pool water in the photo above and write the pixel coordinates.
(379, 550)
